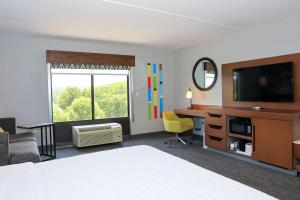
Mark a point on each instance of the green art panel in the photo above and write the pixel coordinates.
(155, 82)
(149, 110)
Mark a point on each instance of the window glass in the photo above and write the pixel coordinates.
(110, 96)
(209, 79)
(71, 97)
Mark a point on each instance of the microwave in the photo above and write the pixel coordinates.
(240, 126)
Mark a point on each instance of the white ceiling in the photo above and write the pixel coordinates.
(168, 23)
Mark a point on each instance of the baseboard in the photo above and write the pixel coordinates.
(146, 134)
(60, 145)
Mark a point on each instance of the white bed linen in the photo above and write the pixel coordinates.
(134, 173)
(17, 182)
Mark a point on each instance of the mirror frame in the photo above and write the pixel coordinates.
(216, 74)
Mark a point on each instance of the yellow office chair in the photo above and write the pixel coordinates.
(176, 125)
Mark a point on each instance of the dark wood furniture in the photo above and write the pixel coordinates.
(296, 153)
(273, 141)
(296, 147)
(71, 57)
(273, 131)
(275, 128)
(215, 128)
(227, 86)
(48, 144)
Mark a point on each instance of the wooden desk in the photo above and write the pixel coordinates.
(190, 112)
(288, 115)
(273, 131)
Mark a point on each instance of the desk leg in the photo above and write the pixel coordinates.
(200, 128)
(42, 141)
(46, 136)
(197, 128)
(54, 140)
(51, 144)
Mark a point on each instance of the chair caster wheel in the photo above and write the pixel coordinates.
(191, 143)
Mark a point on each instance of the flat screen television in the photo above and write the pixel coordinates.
(266, 83)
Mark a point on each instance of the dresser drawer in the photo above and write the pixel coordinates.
(215, 130)
(215, 118)
(215, 142)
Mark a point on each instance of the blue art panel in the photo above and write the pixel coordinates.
(154, 68)
(149, 94)
(161, 108)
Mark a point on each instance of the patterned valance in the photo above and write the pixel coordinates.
(88, 66)
(82, 60)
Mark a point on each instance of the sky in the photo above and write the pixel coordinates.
(60, 79)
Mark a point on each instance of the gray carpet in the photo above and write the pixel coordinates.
(274, 183)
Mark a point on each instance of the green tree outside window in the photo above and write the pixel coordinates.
(74, 104)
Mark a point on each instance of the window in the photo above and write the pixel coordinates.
(89, 94)
(110, 96)
(71, 97)
(209, 78)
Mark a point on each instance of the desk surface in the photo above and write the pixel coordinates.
(33, 126)
(200, 111)
(190, 112)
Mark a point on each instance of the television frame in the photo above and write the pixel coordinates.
(261, 66)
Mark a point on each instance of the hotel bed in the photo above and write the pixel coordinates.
(132, 173)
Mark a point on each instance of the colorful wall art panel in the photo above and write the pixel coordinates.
(161, 107)
(155, 90)
(149, 91)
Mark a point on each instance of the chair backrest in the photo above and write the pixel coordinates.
(8, 124)
(169, 116)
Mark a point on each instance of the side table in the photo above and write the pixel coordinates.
(48, 145)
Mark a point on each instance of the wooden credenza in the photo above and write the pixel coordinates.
(215, 129)
(273, 131)
(273, 140)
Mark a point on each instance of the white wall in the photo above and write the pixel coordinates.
(23, 73)
(23, 77)
(278, 38)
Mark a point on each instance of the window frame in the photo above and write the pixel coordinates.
(92, 96)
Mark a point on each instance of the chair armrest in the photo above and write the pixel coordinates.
(4, 148)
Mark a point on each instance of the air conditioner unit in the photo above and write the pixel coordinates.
(89, 135)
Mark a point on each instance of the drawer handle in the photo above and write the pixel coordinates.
(215, 138)
(214, 115)
(214, 126)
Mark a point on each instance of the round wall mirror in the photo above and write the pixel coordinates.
(205, 74)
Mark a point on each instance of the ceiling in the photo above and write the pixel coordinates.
(167, 23)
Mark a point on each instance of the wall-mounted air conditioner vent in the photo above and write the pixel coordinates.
(90, 135)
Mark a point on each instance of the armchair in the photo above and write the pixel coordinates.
(16, 148)
(176, 125)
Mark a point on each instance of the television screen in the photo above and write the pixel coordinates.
(267, 83)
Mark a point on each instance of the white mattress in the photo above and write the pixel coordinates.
(133, 173)
(17, 182)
